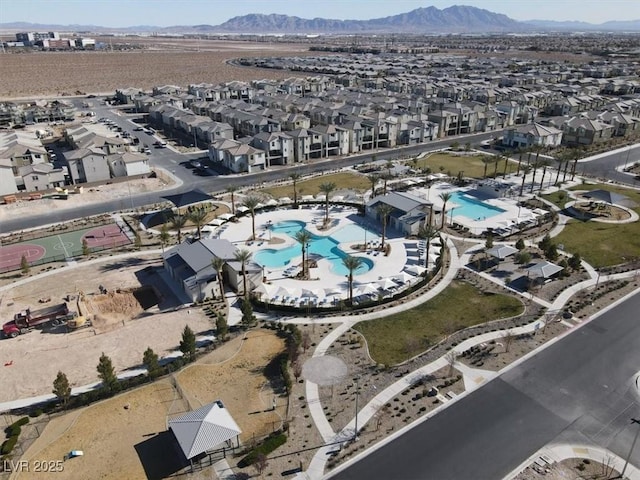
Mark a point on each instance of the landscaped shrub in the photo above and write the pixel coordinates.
(272, 442)
(8, 444)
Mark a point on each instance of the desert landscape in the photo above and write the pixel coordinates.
(115, 428)
(167, 61)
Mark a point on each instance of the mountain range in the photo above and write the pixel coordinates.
(426, 20)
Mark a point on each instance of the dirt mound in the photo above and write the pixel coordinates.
(113, 309)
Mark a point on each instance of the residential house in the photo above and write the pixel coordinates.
(128, 164)
(532, 134)
(236, 156)
(584, 131)
(7, 178)
(277, 145)
(22, 149)
(87, 165)
(40, 177)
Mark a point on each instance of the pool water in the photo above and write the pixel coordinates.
(472, 208)
(322, 246)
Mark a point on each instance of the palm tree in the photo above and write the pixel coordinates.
(218, 265)
(197, 216)
(164, 236)
(232, 189)
(303, 237)
(178, 221)
(243, 256)
(525, 171)
(445, 197)
(486, 159)
(351, 264)
(576, 155)
(561, 158)
(389, 166)
(251, 203)
(384, 211)
(496, 161)
(520, 151)
(536, 164)
(506, 163)
(374, 179)
(327, 188)
(544, 164)
(428, 233)
(295, 177)
(385, 177)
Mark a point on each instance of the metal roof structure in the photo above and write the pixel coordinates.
(188, 198)
(502, 251)
(204, 429)
(543, 269)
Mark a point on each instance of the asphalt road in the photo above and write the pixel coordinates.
(579, 390)
(605, 167)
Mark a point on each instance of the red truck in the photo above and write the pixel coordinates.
(27, 320)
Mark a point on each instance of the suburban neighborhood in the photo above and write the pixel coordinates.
(384, 252)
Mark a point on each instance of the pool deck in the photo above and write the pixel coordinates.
(512, 212)
(323, 276)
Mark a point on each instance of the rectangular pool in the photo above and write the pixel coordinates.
(472, 208)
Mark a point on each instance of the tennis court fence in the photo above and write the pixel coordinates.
(117, 242)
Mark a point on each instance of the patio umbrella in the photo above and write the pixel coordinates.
(226, 216)
(367, 289)
(331, 291)
(543, 269)
(386, 283)
(501, 251)
(415, 269)
(263, 289)
(310, 292)
(285, 292)
(402, 277)
(241, 209)
(216, 222)
(208, 229)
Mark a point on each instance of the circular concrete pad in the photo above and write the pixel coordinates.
(326, 370)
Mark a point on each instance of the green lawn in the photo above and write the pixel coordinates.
(602, 244)
(559, 198)
(350, 181)
(401, 336)
(471, 165)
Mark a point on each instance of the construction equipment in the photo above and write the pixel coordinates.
(27, 320)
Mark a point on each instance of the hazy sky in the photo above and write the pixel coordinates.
(122, 13)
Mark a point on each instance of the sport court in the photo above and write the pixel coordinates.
(62, 246)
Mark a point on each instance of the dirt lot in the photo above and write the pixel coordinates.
(219, 380)
(169, 62)
(36, 357)
(105, 432)
(108, 431)
(90, 195)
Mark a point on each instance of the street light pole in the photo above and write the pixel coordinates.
(633, 444)
(355, 432)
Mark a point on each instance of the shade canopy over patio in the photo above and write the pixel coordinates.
(226, 216)
(543, 269)
(188, 198)
(501, 251)
(204, 429)
(415, 269)
(609, 197)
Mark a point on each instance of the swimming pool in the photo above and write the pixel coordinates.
(321, 246)
(472, 208)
